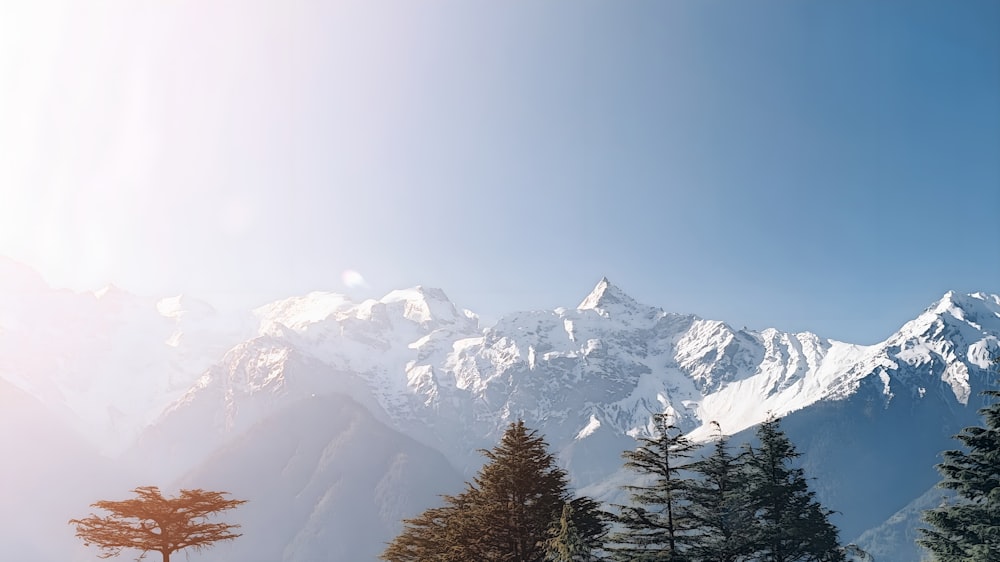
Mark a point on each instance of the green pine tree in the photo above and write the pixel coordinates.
(566, 544)
(791, 525)
(590, 522)
(440, 534)
(968, 529)
(507, 513)
(720, 506)
(657, 525)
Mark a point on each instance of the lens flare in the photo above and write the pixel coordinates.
(352, 279)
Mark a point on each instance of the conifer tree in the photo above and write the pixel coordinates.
(791, 525)
(507, 513)
(435, 535)
(566, 544)
(657, 525)
(968, 529)
(720, 507)
(590, 522)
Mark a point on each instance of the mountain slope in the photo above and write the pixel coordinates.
(870, 420)
(590, 378)
(325, 480)
(49, 474)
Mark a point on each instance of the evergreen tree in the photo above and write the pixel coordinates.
(791, 525)
(657, 526)
(720, 507)
(508, 512)
(566, 544)
(968, 530)
(436, 535)
(590, 522)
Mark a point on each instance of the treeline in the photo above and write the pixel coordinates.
(722, 505)
(726, 505)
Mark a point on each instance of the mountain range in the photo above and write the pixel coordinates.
(336, 418)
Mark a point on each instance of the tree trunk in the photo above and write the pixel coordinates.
(166, 556)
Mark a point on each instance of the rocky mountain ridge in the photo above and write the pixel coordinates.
(166, 386)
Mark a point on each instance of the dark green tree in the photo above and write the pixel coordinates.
(791, 525)
(657, 525)
(507, 513)
(566, 544)
(968, 529)
(436, 535)
(720, 506)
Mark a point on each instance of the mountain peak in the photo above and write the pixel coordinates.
(182, 305)
(954, 299)
(423, 304)
(982, 309)
(605, 295)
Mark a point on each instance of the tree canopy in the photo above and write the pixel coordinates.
(726, 506)
(510, 511)
(152, 523)
(791, 525)
(566, 544)
(720, 508)
(657, 524)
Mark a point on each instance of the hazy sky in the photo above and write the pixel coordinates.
(823, 166)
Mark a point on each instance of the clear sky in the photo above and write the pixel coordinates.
(822, 166)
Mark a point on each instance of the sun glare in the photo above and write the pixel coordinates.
(352, 279)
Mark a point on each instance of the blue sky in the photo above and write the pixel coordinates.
(822, 166)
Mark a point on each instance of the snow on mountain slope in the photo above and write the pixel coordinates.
(111, 361)
(373, 351)
(594, 374)
(797, 370)
(589, 378)
(955, 335)
(392, 344)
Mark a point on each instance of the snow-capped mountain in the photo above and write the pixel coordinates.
(604, 366)
(591, 377)
(191, 385)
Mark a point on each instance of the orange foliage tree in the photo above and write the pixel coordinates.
(151, 523)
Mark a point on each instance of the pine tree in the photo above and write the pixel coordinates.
(590, 522)
(791, 525)
(657, 526)
(968, 530)
(507, 513)
(436, 535)
(720, 507)
(566, 544)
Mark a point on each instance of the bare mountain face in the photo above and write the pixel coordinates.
(870, 420)
(326, 481)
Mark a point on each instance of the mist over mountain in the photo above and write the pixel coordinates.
(327, 481)
(336, 418)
